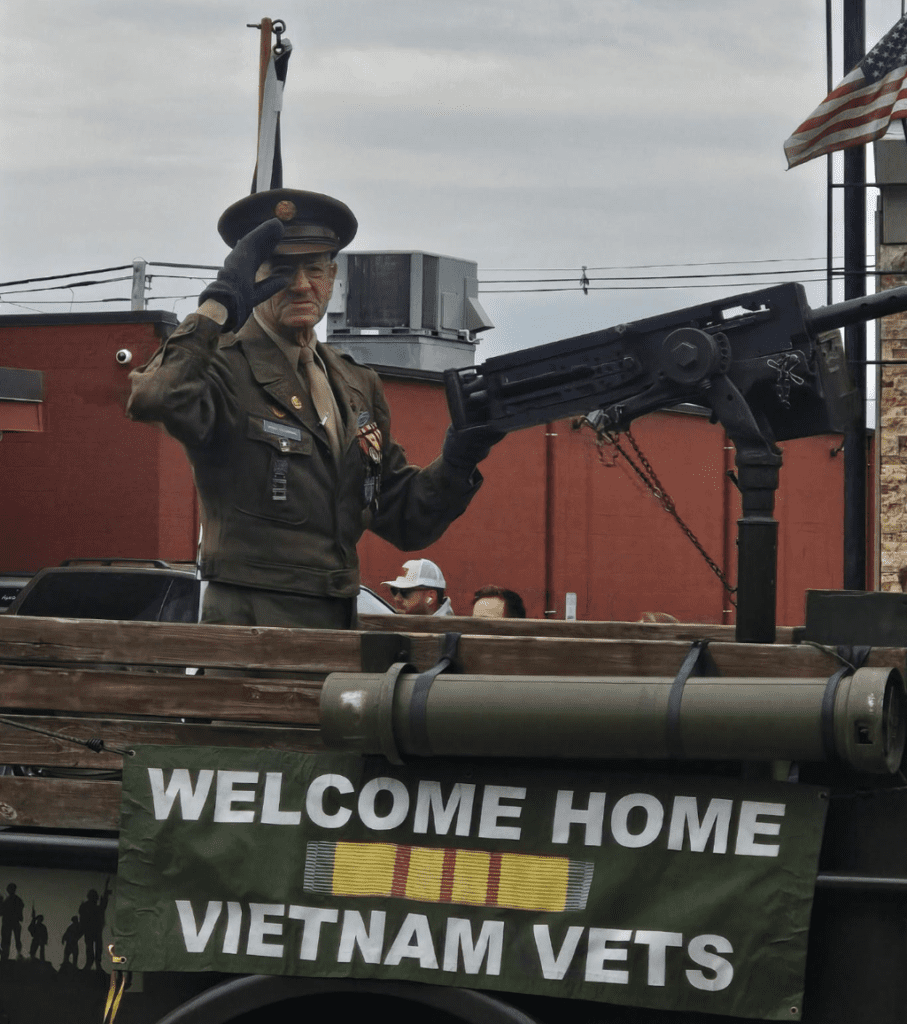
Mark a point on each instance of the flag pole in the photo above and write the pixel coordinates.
(264, 55)
(855, 511)
(272, 73)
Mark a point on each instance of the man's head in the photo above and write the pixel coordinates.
(316, 227)
(497, 603)
(419, 590)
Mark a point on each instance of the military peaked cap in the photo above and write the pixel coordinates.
(312, 222)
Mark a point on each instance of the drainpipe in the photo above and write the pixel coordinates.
(727, 534)
(550, 598)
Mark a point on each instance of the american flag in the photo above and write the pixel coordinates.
(861, 107)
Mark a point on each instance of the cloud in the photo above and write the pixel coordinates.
(533, 133)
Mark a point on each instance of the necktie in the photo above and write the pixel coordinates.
(322, 397)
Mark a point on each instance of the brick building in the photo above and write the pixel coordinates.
(556, 515)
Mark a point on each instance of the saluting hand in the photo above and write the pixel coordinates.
(235, 287)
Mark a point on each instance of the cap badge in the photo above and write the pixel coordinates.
(285, 210)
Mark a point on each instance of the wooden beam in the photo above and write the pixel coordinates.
(161, 644)
(59, 803)
(304, 657)
(501, 655)
(553, 628)
(21, 747)
(164, 696)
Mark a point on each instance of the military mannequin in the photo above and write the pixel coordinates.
(290, 442)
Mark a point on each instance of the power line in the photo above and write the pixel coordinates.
(69, 287)
(502, 270)
(579, 281)
(60, 277)
(616, 288)
(186, 266)
(654, 266)
(644, 277)
(62, 302)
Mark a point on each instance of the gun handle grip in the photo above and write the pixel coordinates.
(455, 404)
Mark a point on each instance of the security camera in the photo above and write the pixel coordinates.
(124, 357)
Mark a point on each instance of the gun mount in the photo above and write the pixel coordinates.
(768, 367)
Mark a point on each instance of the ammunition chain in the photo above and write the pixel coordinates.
(649, 477)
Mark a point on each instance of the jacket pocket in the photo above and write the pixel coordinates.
(270, 484)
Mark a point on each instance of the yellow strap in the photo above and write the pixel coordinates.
(118, 980)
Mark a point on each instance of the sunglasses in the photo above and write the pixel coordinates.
(397, 591)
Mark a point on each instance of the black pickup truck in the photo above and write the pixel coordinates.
(126, 589)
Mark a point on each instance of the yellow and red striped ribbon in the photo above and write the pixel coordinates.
(474, 877)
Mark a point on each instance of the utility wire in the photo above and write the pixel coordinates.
(614, 288)
(59, 277)
(500, 270)
(63, 302)
(579, 281)
(569, 282)
(186, 266)
(652, 266)
(640, 277)
(67, 287)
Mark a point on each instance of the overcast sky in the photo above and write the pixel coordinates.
(521, 134)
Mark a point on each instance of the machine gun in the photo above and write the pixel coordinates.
(767, 366)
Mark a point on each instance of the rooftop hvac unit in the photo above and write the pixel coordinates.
(409, 309)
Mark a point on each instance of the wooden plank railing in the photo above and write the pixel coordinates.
(126, 683)
(556, 628)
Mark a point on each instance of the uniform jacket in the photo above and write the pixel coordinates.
(278, 512)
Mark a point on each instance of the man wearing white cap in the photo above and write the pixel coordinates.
(420, 589)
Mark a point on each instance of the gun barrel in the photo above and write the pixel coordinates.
(857, 311)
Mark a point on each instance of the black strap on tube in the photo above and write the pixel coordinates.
(698, 662)
(856, 657)
(418, 705)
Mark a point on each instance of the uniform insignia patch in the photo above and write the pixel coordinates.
(370, 444)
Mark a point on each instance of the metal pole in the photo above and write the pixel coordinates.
(854, 13)
(138, 285)
(829, 172)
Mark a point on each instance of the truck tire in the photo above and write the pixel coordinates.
(257, 999)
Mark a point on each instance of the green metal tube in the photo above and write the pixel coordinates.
(621, 717)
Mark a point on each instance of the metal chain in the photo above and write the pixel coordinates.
(649, 477)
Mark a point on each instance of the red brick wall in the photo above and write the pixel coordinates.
(94, 484)
(612, 544)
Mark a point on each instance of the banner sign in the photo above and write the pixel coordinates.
(669, 892)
